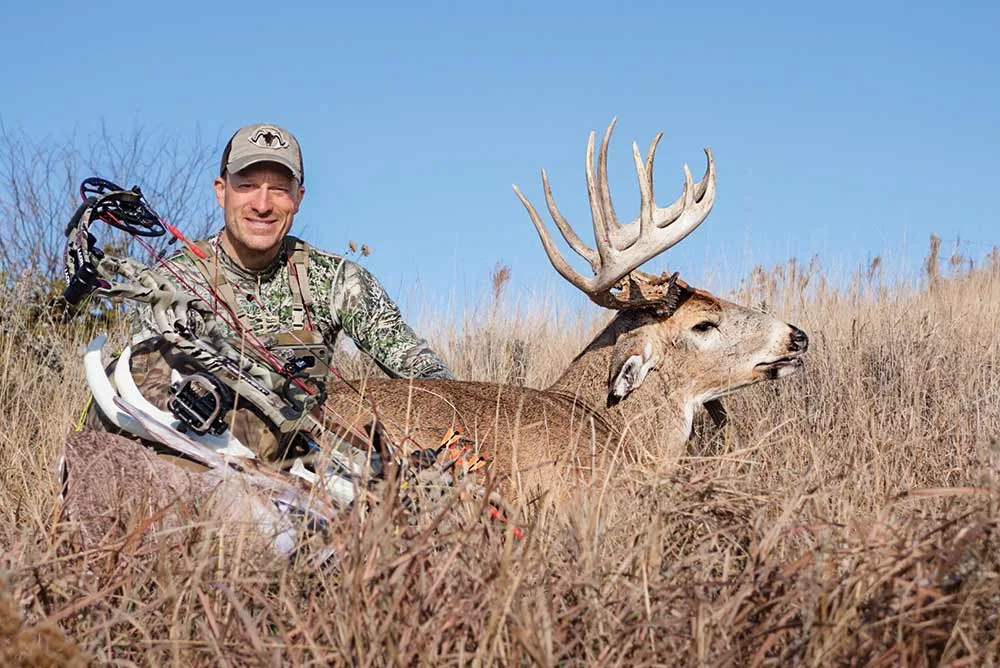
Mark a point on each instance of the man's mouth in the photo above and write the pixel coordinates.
(254, 222)
(781, 367)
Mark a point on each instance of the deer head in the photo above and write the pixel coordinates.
(699, 346)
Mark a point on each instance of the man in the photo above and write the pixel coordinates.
(260, 188)
(291, 297)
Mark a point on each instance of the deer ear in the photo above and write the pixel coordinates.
(631, 360)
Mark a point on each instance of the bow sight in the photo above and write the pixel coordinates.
(200, 401)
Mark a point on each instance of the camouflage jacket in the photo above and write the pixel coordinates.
(346, 298)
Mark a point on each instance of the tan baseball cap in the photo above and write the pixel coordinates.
(262, 142)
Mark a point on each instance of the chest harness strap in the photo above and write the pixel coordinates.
(298, 282)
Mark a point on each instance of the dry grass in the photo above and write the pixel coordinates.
(847, 515)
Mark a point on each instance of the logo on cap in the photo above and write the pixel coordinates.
(268, 137)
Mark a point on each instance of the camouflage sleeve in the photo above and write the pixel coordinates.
(140, 321)
(139, 315)
(375, 324)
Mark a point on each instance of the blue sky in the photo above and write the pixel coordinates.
(843, 130)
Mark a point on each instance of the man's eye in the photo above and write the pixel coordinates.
(704, 326)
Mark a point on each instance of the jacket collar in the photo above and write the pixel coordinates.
(263, 275)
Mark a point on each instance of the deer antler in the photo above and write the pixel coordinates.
(621, 249)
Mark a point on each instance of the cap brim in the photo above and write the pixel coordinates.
(239, 165)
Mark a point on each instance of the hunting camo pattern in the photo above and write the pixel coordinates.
(347, 298)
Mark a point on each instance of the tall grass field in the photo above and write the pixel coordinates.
(847, 515)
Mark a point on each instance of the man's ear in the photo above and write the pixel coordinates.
(632, 359)
(220, 191)
(298, 202)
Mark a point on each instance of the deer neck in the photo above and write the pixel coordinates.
(660, 411)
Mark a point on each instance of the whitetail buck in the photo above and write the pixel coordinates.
(669, 349)
(632, 391)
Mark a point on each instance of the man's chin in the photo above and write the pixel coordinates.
(263, 242)
(254, 253)
(264, 245)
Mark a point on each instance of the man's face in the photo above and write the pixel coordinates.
(259, 204)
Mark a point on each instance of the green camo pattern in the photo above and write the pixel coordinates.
(347, 298)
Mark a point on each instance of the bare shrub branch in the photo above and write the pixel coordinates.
(40, 179)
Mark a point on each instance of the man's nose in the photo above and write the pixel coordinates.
(261, 202)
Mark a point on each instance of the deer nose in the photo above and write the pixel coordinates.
(800, 340)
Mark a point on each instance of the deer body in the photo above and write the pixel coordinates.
(532, 435)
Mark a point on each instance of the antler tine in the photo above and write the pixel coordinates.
(652, 153)
(601, 238)
(646, 204)
(649, 166)
(610, 219)
(569, 234)
(555, 257)
(707, 180)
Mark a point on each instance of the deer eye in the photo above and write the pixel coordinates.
(704, 326)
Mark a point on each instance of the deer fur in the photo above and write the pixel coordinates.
(115, 488)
